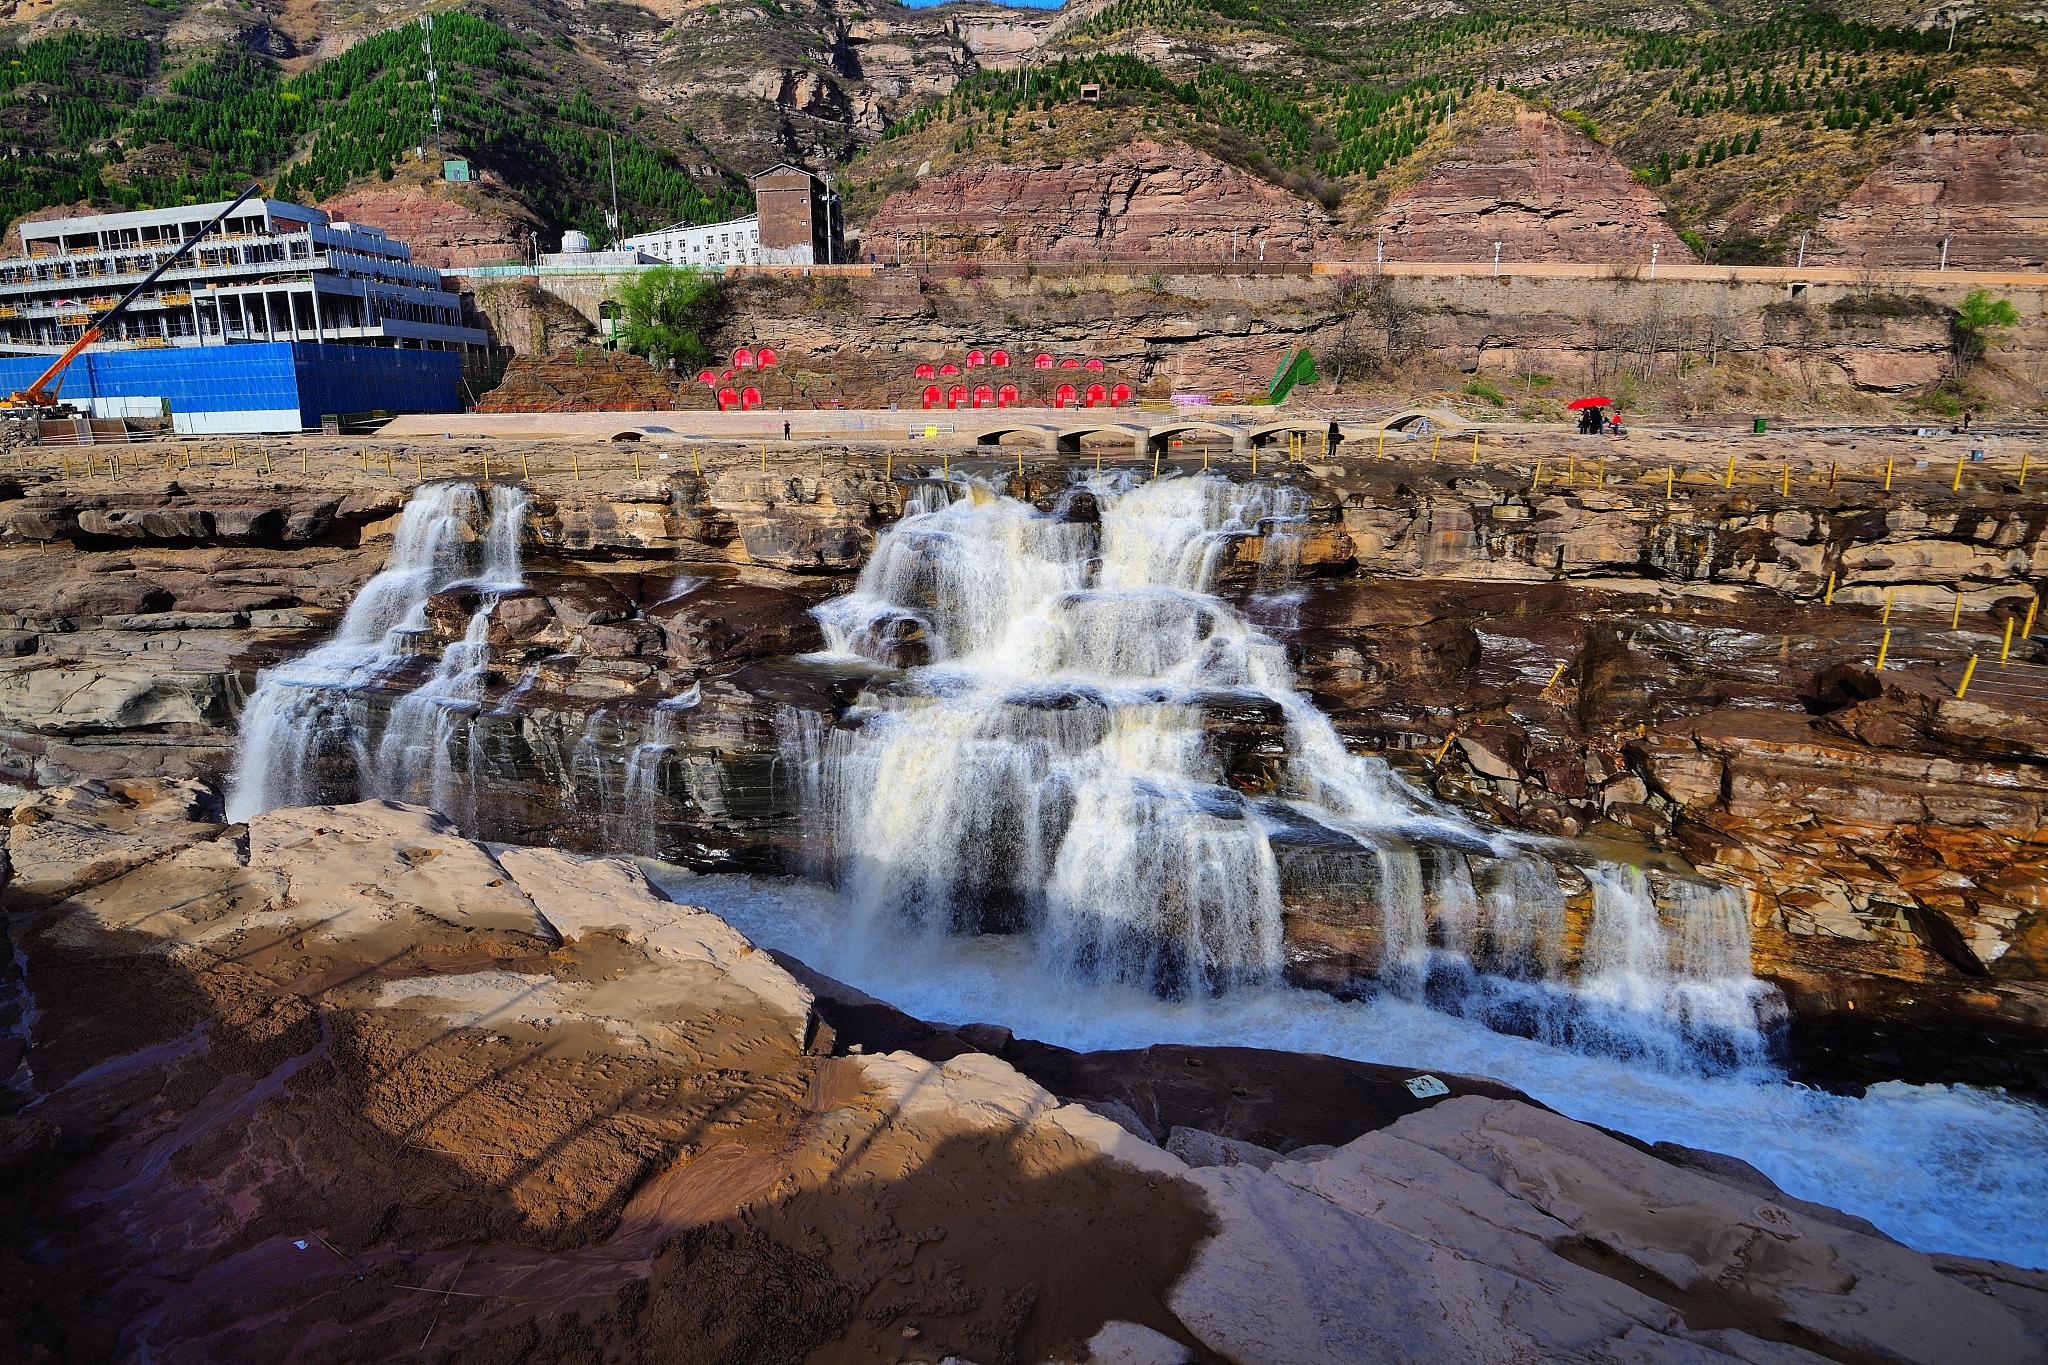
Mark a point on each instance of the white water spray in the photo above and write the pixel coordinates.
(306, 733)
(1059, 764)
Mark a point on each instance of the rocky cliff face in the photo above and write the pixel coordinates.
(446, 226)
(1522, 178)
(343, 1082)
(1983, 189)
(1581, 659)
(1143, 201)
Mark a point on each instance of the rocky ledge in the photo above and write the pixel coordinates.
(1674, 680)
(342, 1084)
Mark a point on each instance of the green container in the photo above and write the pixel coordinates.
(1759, 427)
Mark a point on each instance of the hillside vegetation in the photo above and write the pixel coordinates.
(104, 120)
(1748, 127)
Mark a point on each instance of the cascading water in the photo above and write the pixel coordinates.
(306, 733)
(1046, 767)
(1053, 767)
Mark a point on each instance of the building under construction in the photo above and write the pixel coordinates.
(281, 318)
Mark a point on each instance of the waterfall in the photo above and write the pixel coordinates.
(1051, 764)
(306, 732)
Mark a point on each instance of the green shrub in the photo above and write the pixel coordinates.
(1486, 392)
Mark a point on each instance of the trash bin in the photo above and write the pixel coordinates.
(1758, 428)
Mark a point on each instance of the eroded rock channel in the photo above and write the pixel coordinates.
(1596, 773)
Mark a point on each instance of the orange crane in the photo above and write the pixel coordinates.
(41, 396)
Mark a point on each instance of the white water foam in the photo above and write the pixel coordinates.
(1942, 1168)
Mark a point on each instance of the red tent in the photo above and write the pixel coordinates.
(1091, 363)
(998, 357)
(932, 396)
(949, 368)
(727, 399)
(706, 377)
(750, 397)
(1096, 394)
(743, 359)
(765, 357)
(983, 395)
(1120, 394)
(1042, 361)
(975, 358)
(956, 395)
(1006, 396)
(1063, 395)
(1070, 364)
(924, 370)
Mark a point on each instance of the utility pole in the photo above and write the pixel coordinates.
(1944, 249)
(1801, 262)
(433, 84)
(611, 220)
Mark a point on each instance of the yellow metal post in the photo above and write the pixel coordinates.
(2005, 649)
(1728, 481)
(1785, 481)
(2025, 456)
(1443, 748)
(1955, 485)
(1955, 618)
(1536, 481)
(1475, 447)
(387, 460)
(697, 460)
(1883, 648)
(1382, 453)
(1969, 672)
(1828, 600)
(525, 471)
(2027, 630)
(575, 465)
(487, 462)
(1436, 445)
(889, 467)
(1886, 615)
(1157, 455)
(1888, 472)
(1670, 474)
(305, 459)
(1556, 673)
(1255, 460)
(1571, 469)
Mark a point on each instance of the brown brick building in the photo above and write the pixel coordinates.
(799, 217)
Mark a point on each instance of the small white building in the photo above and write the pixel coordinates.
(734, 242)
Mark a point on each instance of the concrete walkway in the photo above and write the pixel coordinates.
(1056, 430)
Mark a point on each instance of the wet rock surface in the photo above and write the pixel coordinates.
(1686, 683)
(397, 1094)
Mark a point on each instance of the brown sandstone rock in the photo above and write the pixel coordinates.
(1521, 177)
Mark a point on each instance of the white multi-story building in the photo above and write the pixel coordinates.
(273, 272)
(735, 242)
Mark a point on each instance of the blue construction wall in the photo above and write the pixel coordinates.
(262, 386)
(335, 378)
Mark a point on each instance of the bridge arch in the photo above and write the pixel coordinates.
(1048, 437)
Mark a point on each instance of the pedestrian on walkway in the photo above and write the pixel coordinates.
(785, 428)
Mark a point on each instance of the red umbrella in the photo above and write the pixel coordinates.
(1580, 404)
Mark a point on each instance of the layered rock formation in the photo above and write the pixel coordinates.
(1984, 191)
(445, 225)
(1141, 201)
(582, 379)
(1582, 659)
(1517, 176)
(398, 1095)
